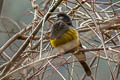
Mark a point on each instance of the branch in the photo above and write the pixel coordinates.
(1, 4)
(25, 44)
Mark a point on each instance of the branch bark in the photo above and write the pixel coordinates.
(1, 4)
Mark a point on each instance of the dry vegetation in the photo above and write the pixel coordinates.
(99, 32)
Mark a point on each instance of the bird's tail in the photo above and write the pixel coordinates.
(81, 57)
(86, 68)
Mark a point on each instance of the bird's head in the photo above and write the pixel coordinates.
(64, 17)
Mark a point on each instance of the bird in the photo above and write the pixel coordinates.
(65, 38)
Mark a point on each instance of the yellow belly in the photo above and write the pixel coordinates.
(67, 41)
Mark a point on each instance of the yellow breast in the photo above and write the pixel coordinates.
(67, 41)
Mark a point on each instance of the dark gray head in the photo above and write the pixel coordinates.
(58, 29)
(65, 18)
